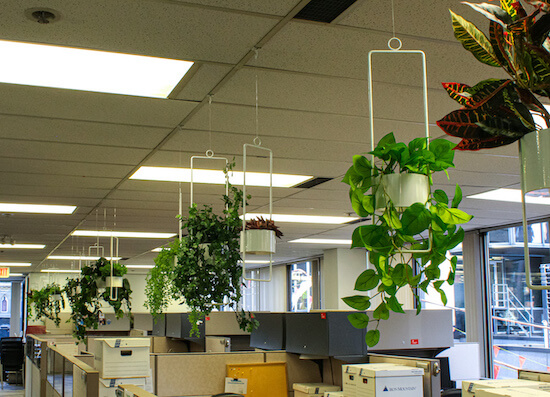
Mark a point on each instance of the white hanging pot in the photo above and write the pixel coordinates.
(56, 297)
(402, 189)
(258, 242)
(115, 282)
(534, 151)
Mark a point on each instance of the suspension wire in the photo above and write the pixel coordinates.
(257, 121)
(393, 18)
(210, 123)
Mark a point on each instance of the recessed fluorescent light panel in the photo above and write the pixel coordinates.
(106, 233)
(22, 246)
(60, 271)
(321, 241)
(16, 274)
(514, 196)
(37, 208)
(15, 264)
(217, 177)
(331, 220)
(84, 258)
(140, 266)
(89, 70)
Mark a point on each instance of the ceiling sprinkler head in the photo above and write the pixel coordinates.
(43, 16)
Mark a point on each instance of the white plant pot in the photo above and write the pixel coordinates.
(115, 282)
(56, 297)
(403, 190)
(534, 149)
(258, 242)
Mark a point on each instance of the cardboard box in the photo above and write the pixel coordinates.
(334, 394)
(512, 392)
(350, 376)
(470, 387)
(121, 358)
(389, 381)
(313, 388)
(108, 387)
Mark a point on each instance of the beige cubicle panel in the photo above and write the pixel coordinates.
(196, 374)
(222, 324)
(298, 371)
(143, 321)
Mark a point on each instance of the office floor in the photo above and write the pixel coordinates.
(12, 391)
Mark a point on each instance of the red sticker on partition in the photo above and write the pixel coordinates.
(324, 316)
(414, 341)
(207, 318)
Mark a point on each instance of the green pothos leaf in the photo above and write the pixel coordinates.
(359, 320)
(372, 337)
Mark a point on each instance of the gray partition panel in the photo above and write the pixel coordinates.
(159, 325)
(323, 334)
(270, 335)
(173, 325)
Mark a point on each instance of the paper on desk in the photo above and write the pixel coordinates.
(234, 385)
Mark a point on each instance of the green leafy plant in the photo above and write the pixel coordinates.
(44, 304)
(496, 112)
(202, 269)
(86, 297)
(429, 226)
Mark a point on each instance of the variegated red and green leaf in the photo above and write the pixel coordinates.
(496, 38)
(474, 40)
(485, 90)
(492, 12)
(513, 8)
(542, 4)
(458, 92)
(463, 123)
(477, 144)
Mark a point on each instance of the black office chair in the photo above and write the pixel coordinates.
(12, 356)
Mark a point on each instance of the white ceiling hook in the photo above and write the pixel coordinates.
(209, 153)
(398, 41)
(257, 141)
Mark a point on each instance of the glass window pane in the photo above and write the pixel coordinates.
(518, 313)
(301, 287)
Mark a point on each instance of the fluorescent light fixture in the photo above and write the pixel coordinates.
(217, 177)
(158, 249)
(37, 208)
(89, 70)
(514, 196)
(106, 233)
(84, 258)
(60, 271)
(258, 262)
(22, 246)
(333, 220)
(15, 264)
(140, 266)
(16, 274)
(320, 241)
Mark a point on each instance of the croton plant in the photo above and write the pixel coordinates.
(497, 112)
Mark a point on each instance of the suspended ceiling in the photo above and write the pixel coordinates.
(79, 148)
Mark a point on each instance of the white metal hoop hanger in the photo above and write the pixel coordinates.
(257, 144)
(394, 45)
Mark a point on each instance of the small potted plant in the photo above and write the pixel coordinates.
(203, 269)
(86, 297)
(402, 232)
(46, 303)
(497, 112)
(260, 236)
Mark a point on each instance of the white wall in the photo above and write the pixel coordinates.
(339, 270)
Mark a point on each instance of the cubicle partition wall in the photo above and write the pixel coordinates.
(271, 334)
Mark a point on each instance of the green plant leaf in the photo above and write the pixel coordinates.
(474, 40)
(399, 274)
(443, 153)
(372, 237)
(415, 219)
(381, 312)
(394, 305)
(368, 203)
(358, 302)
(454, 261)
(372, 337)
(492, 12)
(362, 166)
(424, 285)
(452, 216)
(359, 320)
(443, 297)
(451, 278)
(356, 197)
(367, 280)
(457, 199)
(392, 218)
(441, 197)
(352, 178)
(388, 139)
(509, 6)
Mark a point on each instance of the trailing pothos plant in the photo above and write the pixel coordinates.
(497, 112)
(46, 303)
(203, 269)
(86, 298)
(430, 226)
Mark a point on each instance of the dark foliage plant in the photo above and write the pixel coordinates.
(42, 303)
(203, 269)
(430, 226)
(498, 112)
(86, 298)
(260, 223)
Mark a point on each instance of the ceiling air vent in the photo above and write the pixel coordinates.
(324, 10)
(312, 182)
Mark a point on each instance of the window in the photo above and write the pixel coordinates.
(303, 282)
(518, 314)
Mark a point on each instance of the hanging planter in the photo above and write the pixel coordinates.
(46, 303)
(115, 282)
(535, 160)
(57, 297)
(258, 242)
(403, 190)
